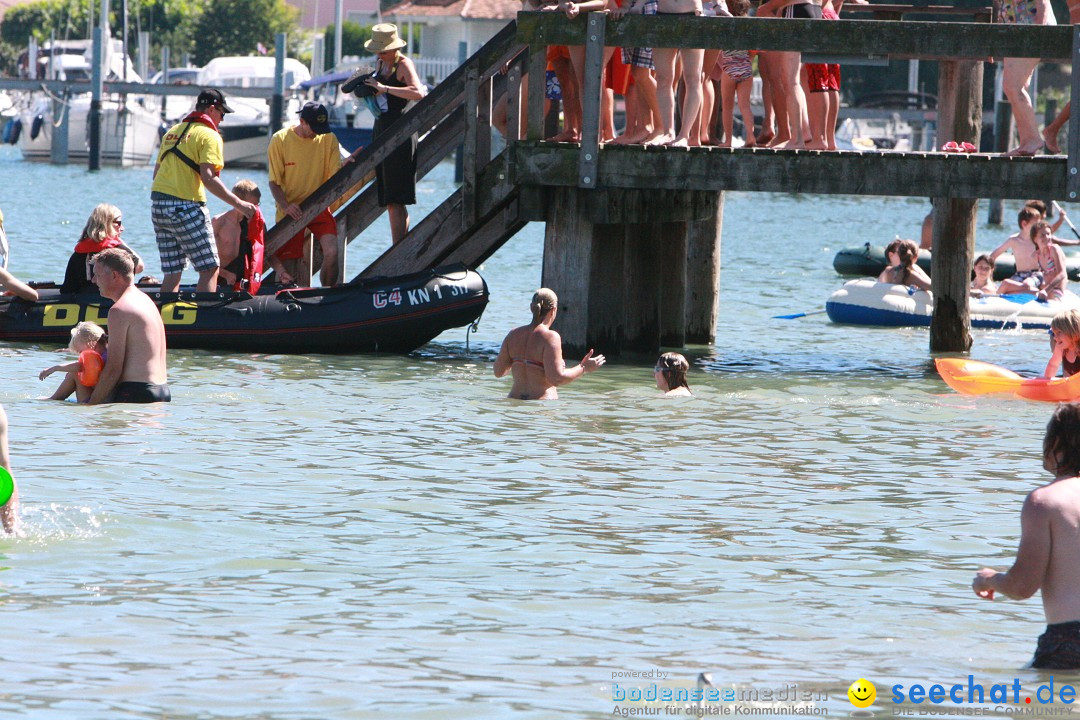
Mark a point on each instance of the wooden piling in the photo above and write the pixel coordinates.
(959, 120)
(635, 271)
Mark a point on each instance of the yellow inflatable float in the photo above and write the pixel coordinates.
(972, 377)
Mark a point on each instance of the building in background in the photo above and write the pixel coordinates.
(442, 33)
(317, 14)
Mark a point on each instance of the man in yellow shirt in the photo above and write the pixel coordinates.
(188, 164)
(301, 158)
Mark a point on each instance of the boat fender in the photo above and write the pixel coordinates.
(90, 364)
(11, 131)
(35, 127)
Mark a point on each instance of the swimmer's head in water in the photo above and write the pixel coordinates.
(543, 301)
(85, 336)
(1061, 445)
(673, 367)
(862, 693)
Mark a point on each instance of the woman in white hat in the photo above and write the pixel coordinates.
(396, 80)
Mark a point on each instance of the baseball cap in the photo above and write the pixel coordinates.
(315, 115)
(210, 97)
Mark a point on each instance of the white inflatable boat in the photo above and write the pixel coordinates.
(868, 302)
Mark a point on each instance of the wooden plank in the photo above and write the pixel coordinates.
(898, 39)
(534, 105)
(469, 162)
(1072, 177)
(894, 174)
(483, 122)
(672, 272)
(489, 237)
(568, 266)
(513, 102)
(703, 276)
(589, 155)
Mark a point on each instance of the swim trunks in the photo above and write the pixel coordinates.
(642, 57)
(1059, 647)
(1023, 277)
(141, 392)
(323, 224)
(822, 78)
(557, 52)
(803, 11)
(183, 231)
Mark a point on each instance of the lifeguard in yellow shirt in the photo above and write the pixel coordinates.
(187, 166)
(301, 158)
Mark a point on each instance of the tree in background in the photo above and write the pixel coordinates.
(353, 37)
(237, 27)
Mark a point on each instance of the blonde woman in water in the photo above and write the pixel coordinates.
(533, 353)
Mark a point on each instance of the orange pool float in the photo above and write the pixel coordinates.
(972, 377)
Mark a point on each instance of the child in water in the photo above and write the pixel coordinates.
(1051, 259)
(1065, 344)
(982, 277)
(670, 375)
(902, 270)
(88, 341)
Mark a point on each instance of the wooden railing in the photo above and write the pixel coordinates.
(458, 111)
(945, 41)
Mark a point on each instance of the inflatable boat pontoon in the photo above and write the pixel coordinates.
(868, 302)
(395, 314)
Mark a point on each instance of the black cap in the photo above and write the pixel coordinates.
(212, 97)
(315, 115)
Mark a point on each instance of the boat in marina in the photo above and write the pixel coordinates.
(130, 129)
(350, 121)
(869, 302)
(246, 132)
(389, 314)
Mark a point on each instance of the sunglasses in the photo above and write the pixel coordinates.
(118, 222)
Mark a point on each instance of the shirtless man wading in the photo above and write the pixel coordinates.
(1048, 558)
(135, 368)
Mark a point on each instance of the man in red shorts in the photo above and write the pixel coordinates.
(301, 158)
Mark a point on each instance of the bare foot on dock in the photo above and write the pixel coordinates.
(1029, 150)
(790, 145)
(724, 144)
(816, 145)
(765, 137)
(779, 140)
(679, 142)
(661, 138)
(566, 136)
(750, 144)
(1050, 138)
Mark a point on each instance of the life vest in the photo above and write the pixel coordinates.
(248, 264)
(90, 365)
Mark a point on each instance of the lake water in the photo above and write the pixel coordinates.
(385, 536)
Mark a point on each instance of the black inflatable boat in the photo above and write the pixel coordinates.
(394, 314)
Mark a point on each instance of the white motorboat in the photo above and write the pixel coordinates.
(247, 130)
(129, 130)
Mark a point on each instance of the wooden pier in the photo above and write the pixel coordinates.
(633, 234)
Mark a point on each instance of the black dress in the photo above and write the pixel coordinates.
(396, 175)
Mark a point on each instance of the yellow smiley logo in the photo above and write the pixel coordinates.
(862, 693)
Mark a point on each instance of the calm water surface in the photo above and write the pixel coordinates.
(352, 537)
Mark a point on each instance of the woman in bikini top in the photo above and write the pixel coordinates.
(533, 354)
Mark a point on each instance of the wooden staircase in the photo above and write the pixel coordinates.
(481, 214)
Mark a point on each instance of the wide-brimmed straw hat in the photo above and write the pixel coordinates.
(383, 37)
